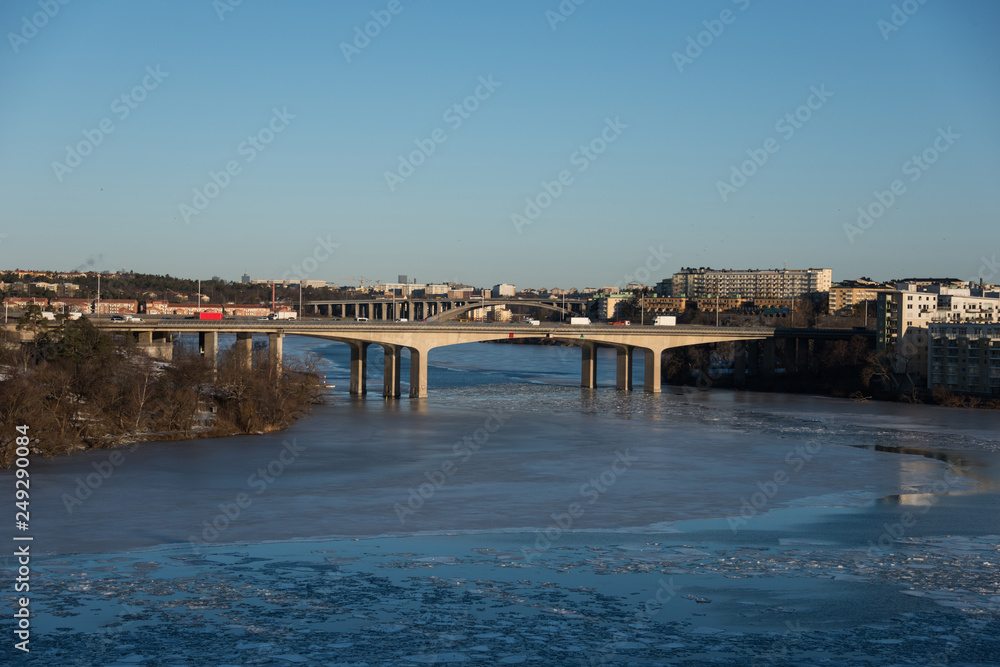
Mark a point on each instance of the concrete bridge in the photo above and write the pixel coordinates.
(432, 309)
(420, 338)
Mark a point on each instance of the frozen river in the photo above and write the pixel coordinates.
(513, 518)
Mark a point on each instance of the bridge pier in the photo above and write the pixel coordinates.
(359, 368)
(208, 346)
(652, 383)
(753, 358)
(768, 359)
(418, 371)
(625, 356)
(244, 350)
(740, 365)
(274, 350)
(391, 370)
(588, 369)
(801, 355)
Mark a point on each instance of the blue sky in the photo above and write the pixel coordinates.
(315, 199)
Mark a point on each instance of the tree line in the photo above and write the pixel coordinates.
(77, 388)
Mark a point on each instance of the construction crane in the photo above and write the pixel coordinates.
(361, 281)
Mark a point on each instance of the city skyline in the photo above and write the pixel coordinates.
(569, 145)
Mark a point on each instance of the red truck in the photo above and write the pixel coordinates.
(209, 316)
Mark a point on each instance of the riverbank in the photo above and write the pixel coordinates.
(76, 388)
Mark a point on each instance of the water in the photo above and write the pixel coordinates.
(514, 517)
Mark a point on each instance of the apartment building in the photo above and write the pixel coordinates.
(503, 290)
(964, 357)
(903, 316)
(116, 307)
(845, 296)
(750, 284)
(609, 306)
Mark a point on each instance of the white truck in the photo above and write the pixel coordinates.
(579, 320)
(664, 320)
(283, 315)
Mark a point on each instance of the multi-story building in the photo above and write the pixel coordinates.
(845, 296)
(436, 289)
(64, 305)
(901, 328)
(967, 304)
(116, 306)
(245, 310)
(502, 290)
(964, 357)
(750, 284)
(499, 315)
(25, 301)
(609, 306)
(665, 304)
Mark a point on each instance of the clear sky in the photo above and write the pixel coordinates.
(644, 125)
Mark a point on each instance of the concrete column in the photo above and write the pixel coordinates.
(653, 368)
(208, 345)
(588, 369)
(144, 337)
(244, 350)
(274, 345)
(418, 372)
(768, 359)
(390, 374)
(740, 365)
(624, 382)
(753, 357)
(359, 368)
(802, 355)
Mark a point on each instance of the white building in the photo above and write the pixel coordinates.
(502, 290)
(967, 304)
(901, 330)
(702, 282)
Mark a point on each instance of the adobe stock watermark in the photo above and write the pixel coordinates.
(696, 44)
(309, 264)
(988, 264)
(780, 651)
(795, 460)
(363, 36)
(915, 168)
(581, 158)
(592, 491)
(223, 7)
(249, 149)
(461, 452)
(901, 13)
(787, 126)
(454, 116)
(897, 529)
(31, 25)
(654, 262)
(259, 481)
(666, 591)
(122, 106)
(561, 13)
(86, 486)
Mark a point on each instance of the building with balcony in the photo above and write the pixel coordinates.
(845, 296)
(903, 316)
(964, 357)
(750, 284)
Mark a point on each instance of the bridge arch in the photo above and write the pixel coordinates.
(457, 311)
